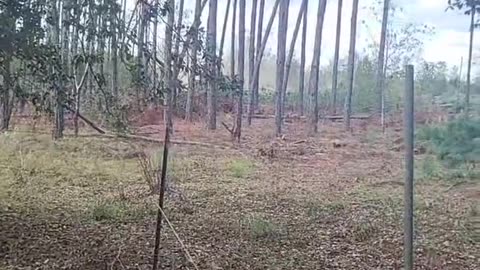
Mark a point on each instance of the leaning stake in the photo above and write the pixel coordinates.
(161, 197)
(409, 136)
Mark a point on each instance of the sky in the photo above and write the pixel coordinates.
(449, 42)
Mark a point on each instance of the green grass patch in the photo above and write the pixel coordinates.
(240, 168)
(261, 228)
(43, 176)
(120, 211)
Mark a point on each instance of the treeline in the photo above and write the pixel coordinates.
(99, 58)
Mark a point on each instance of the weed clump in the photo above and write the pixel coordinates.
(260, 228)
(240, 168)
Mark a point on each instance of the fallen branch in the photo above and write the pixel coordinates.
(227, 128)
(90, 123)
(153, 140)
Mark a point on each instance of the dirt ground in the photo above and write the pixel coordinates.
(330, 201)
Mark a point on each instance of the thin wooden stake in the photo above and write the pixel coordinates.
(161, 197)
(409, 152)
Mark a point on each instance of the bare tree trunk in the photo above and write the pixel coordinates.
(222, 39)
(288, 64)
(256, 81)
(168, 63)
(234, 33)
(59, 86)
(261, 50)
(301, 79)
(7, 93)
(280, 73)
(7, 87)
(114, 50)
(140, 47)
(380, 82)
(351, 65)
(336, 57)
(155, 50)
(212, 65)
(314, 70)
(241, 70)
(176, 51)
(193, 66)
(251, 61)
(469, 65)
(92, 33)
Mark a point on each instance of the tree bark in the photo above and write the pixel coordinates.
(237, 132)
(114, 50)
(140, 53)
(351, 65)
(58, 84)
(301, 87)
(176, 51)
(155, 50)
(288, 64)
(256, 82)
(469, 65)
(251, 61)
(222, 39)
(336, 57)
(212, 66)
(314, 70)
(168, 63)
(193, 65)
(280, 72)
(234, 33)
(381, 65)
(261, 50)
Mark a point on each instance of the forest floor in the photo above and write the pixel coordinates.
(332, 201)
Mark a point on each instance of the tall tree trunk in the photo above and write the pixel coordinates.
(280, 72)
(234, 34)
(140, 53)
(155, 50)
(193, 65)
(7, 86)
(251, 61)
(212, 66)
(75, 31)
(381, 65)
(222, 39)
(59, 85)
(114, 49)
(241, 70)
(176, 51)
(232, 46)
(256, 83)
(301, 79)
(351, 65)
(168, 54)
(288, 64)
(314, 70)
(92, 33)
(469, 65)
(336, 57)
(196, 23)
(261, 50)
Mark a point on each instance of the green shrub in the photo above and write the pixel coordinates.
(456, 143)
(240, 168)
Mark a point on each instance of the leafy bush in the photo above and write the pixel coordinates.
(456, 143)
